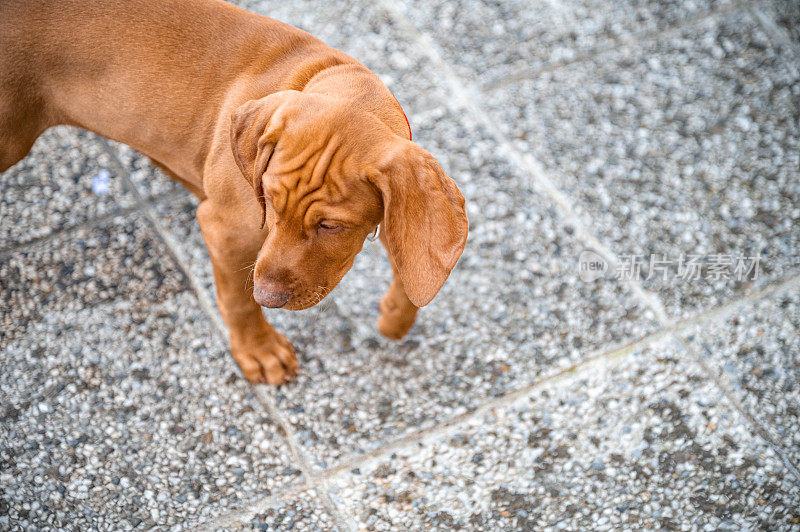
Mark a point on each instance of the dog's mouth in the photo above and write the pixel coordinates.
(308, 300)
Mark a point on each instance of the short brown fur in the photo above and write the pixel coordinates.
(212, 93)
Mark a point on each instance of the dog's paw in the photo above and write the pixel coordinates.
(397, 315)
(271, 360)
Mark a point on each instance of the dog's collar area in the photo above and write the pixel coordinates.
(373, 236)
(408, 124)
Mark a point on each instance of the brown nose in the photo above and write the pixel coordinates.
(270, 294)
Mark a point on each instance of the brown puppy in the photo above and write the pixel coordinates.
(213, 93)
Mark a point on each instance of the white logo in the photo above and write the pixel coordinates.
(591, 266)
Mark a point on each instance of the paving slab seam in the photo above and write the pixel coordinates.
(342, 521)
(673, 330)
(351, 462)
(250, 509)
(589, 363)
(778, 286)
(776, 34)
(318, 479)
(443, 427)
(469, 97)
(758, 427)
(88, 224)
(668, 31)
(144, 206)
(779, 37)
(209, 308)
(791, 284)
(654, 303)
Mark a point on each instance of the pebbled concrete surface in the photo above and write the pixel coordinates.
(51, 189)
(683, 144)
(301, 513)
(119, 404)
(525, 396)
(642, 441)
(476, 37)
(756, 351)
(512, 311)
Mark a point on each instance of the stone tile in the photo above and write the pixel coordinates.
(51, 189)
(149, 180)
(513, 310)
(640, 441)
(488, 41)
(177, 215)
(756, 351)
(120, 406)
(786, 13)
(305, 512)
(686, 144)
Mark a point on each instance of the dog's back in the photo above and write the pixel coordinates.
(105, 65)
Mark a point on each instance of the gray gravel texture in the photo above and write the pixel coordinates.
(643, 441)
(512, 311)
(489, 42)
(51, 189)
(756, 351)
(786, 14)
(300, 513)
(149, 181)
(524, 397)
(120, 407)
(689, 143)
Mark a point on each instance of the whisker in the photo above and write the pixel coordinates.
(248, 266)
(250, 275)
(319, 295)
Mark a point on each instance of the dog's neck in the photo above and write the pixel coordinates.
(357, 84)
(163, 76)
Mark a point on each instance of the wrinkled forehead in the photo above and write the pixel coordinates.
(313, 175)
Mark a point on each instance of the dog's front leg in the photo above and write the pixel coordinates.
(264, 354)
(397, 311)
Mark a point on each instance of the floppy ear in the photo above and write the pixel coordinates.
(424, 219)
(255, 128)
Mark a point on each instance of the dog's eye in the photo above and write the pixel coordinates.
(329, 225)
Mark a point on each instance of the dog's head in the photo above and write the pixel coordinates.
(326, 175)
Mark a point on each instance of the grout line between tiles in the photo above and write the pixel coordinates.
(172, 246)
(776, 34)
(88, 224)
(672, 331)
(343, 522)
(490, 404)
(760, 429)
(468, 97)
(250, 509)
(209, 308)
(637, 39)
(525, 161)
(590, 362)
(443, 427)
